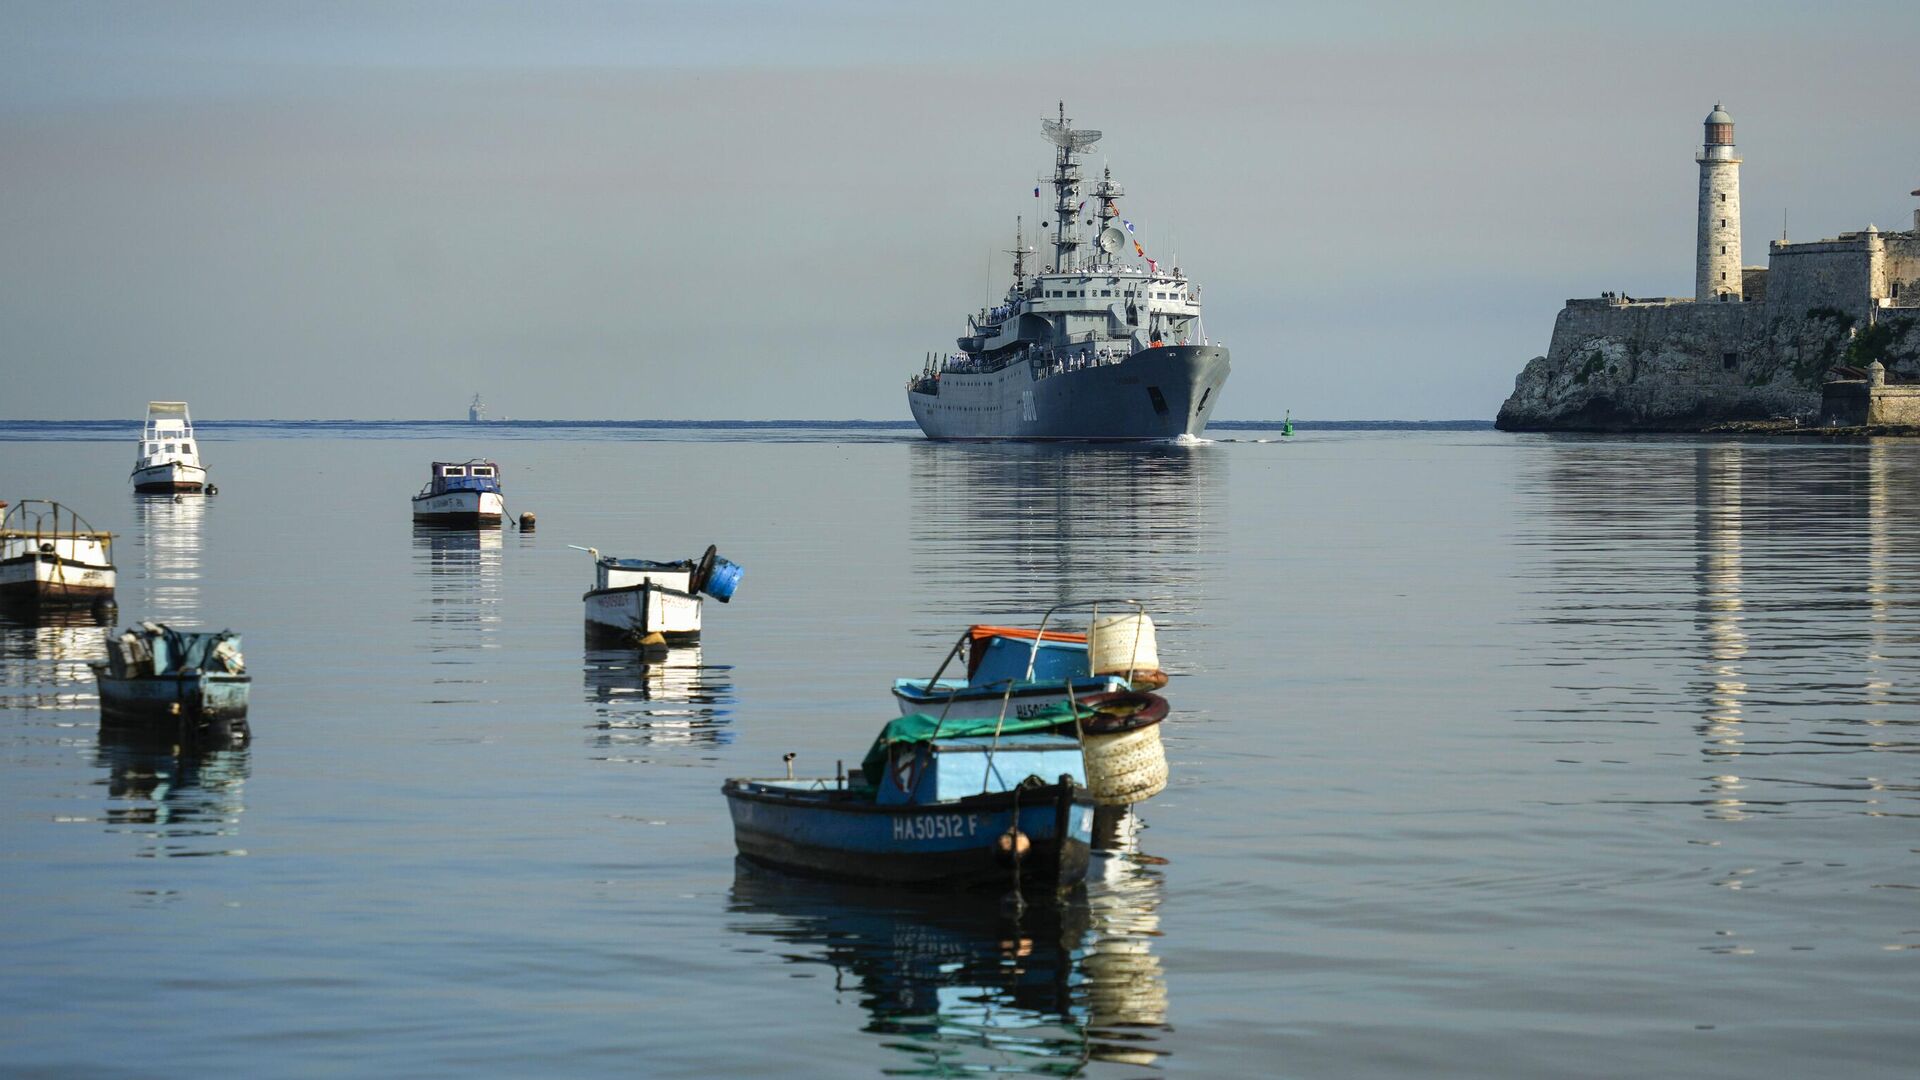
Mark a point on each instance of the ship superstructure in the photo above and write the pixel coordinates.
(1103, 344)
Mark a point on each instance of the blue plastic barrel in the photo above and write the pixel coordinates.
(723, 580)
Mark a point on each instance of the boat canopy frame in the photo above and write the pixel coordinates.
(28, 520)
(1033, 654)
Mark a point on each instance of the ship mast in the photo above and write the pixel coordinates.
(1020, 251)
(1066, 184)
(1106, 191)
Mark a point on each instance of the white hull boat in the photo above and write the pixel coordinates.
(170, 476)
(50, 556)
(169, 455)
(634, 598)
(638, 611)
(459, 508)
(461, 494)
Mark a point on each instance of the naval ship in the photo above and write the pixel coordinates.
(1105, 345)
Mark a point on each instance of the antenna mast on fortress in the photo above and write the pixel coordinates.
(1066, 183)
(1716, 274)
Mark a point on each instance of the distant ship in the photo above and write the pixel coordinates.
(1089, 348)
(476, 410)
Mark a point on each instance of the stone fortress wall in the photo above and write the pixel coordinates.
(1678, 364)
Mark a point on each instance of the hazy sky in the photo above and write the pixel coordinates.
(708, 210)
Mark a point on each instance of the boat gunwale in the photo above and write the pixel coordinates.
(854, 804)
(668, 589)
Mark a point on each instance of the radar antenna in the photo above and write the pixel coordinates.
(1064, 137)
(1066, 184)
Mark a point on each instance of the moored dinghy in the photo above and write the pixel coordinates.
(1014, 671)
(461, 494)
(158, 673)
(1009, 670)
(169, 455)
(641, 601)
(50, 556)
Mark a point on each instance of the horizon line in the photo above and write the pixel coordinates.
(134, 421)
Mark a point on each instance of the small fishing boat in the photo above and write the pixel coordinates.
(461, 495)
(959, 801)
(641, 601)
(957, 807)
(1015, 670)
(158, 673)
(50, 556)
(169, 456)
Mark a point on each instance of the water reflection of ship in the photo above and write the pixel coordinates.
(675, 700)
(960, 985)
(44, 656)
(1004, 528)
(185, 800)
(170, 554)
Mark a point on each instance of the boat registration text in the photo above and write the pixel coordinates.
(935, 826)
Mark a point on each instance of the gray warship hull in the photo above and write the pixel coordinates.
(1161, 393)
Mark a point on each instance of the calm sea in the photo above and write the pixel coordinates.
(1493, 757)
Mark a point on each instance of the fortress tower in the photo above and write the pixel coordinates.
(1717, 262)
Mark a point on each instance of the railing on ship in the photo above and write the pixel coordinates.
(1046, 363)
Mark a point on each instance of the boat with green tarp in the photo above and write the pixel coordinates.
(953, 802)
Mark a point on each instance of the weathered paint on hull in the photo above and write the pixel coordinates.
(206, 697)
(973, 704)
(942, 845)
(46, 580)
(632, 612)
(1115, 402)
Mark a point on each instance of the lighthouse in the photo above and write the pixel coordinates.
(1716, 275)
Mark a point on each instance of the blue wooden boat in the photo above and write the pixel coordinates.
(1024, 697)
(957, 803)
(1015, 672)
(158, 673)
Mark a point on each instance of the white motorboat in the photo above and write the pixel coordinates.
(461, 494)
(169, 455)
(50, 555)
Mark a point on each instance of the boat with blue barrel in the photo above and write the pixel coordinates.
(461, 495)
(160, 674)
(651, 603)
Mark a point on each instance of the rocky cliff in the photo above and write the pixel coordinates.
(1669, 365)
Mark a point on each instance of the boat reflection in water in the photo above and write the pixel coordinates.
(959, 985)
(462, 569)
(168, 566)
(44, 656)
(181, 799)
(675, 700)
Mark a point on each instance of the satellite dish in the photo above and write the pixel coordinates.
(1111, 239)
